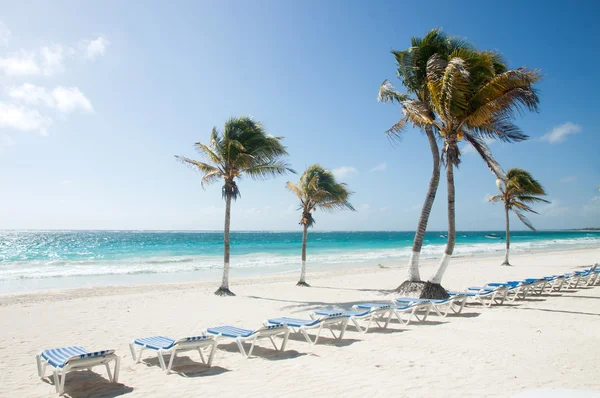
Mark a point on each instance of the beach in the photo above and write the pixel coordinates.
(545, 342)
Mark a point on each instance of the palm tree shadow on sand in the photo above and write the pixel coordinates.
(89, 384)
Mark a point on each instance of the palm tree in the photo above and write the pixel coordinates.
(411, 69)
(317, 189)
(242, 148)
(473, 97)
(519, 189)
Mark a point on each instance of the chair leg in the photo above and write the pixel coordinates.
(285, 339)
(173, 355)
(241, 347)
(110, 378)
(213, 349)
(132, 349)
(201, 355)
(117, 367)
(357, 325)
(344, 325)
(56, 380)
(38, 360)
(61, 389)
(161, 360)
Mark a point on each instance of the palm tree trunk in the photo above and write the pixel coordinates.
(302, 281)
(413, 262)
(507, 237)
(437, 277)
(224, 289)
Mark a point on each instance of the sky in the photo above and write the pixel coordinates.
(97, 97)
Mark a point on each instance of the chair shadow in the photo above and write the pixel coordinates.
(465, 315)
(87, 383)
(268, 353)
(186, 366)
(324, 340)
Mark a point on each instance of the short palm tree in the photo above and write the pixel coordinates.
(518, 191)
(317, 189)
(473, 96)
(243, 148)
(411, 70)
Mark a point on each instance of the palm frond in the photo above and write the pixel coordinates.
(387, 93)
(484, 152)
(524, 219)
(265, 170)
(497, 198)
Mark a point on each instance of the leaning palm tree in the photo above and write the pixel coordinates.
(411, 69)
(517, 191)
(317, 189)
(242, 148)
(473, 96)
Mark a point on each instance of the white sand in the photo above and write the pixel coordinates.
(545, 342)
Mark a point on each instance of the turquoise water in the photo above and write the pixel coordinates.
(32, 260)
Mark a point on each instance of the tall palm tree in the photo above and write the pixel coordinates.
(317, 189)
(473, 96)
(242, 148)
(411, 69)
(519, 190)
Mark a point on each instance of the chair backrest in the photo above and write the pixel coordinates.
(193, 338)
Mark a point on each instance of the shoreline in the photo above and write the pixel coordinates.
(390, 265)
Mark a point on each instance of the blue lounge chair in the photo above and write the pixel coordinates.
(378, 313)
(441, 307)
(485, 296)
(68, 359)
(164, 345)
(302, 326)
(252, 336)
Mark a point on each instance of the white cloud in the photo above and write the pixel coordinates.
(5, 35)
(553, 209)
(21, 63)
(341, 172)
(6, 142)
(68, 99)
(568, 179)
(52, 59)
(64, 99)
(380, 167)
(66, 182)
(96, 47)
(31, 94)
(22, 118)
(560, 133)
(593, 206)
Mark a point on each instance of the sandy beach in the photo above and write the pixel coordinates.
(546, 341)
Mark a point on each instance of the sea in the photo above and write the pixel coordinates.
(40, 260)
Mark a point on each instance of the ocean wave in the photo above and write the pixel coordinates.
(57, 268)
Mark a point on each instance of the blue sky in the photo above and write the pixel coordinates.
(97, 97)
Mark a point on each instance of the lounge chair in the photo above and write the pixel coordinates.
(484, 296)
(441, 307)
(251, 336)
(380, 314)
(336, 318)
(164, 345)
(398, 311)
(67, 359)
(514, 289)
